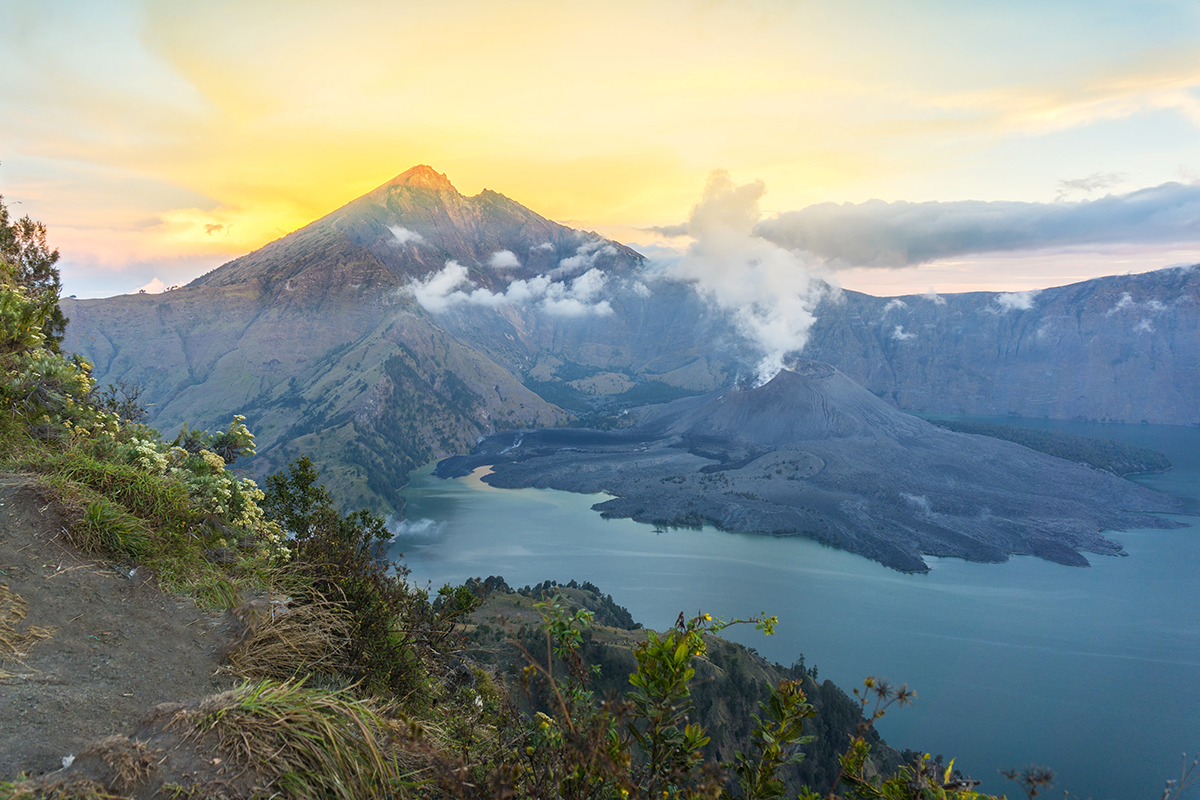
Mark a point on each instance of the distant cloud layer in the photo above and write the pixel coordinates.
(901, 234)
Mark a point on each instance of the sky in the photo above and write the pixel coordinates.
(904, 146)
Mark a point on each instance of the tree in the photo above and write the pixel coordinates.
(27, 262)
(296, 501)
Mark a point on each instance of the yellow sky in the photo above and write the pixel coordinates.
(133, 128)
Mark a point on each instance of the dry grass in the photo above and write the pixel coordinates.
(309, 743)
(282, 643)
(13, 610)
(130, 761)
(73, 788)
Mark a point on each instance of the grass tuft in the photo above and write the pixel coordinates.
(308, 743)
(290, 642)
(129, 761)
(72, 788)
(13, 611)
(107, 528)
(158, 500)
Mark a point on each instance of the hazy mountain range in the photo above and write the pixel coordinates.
(413, 321)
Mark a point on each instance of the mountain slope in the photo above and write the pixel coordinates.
(322, 340)
(319, 340)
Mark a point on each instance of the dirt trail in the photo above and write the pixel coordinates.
(117, 645)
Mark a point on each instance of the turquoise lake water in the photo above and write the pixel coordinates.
(1094, 672)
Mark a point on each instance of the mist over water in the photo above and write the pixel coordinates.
(1094, 672)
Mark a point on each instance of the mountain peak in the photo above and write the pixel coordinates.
(422, 176)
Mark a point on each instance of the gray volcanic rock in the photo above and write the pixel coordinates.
(812, 453)
(810, 401)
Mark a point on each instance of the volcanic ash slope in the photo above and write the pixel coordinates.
(812, 453)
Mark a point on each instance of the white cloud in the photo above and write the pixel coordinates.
(767, 290)
(451, 286)
(900, 336)
(579, 298)
(589, 284)
(437, 291)
(1090, 184)
(586, 255)
(545, 246)
(1156, 306)
(1143, 327)
(934, 297)
(1125, 302)
(894, 303)
(153, 287)
(570, 307)
(1017, 301)
(414, 528)
(503, 259)
(918, 501)
(405, 236)
(640, 289)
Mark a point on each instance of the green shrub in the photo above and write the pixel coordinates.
(396, 632)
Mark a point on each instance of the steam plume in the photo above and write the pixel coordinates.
(766, 289)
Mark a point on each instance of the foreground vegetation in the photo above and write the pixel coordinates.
(357, 683)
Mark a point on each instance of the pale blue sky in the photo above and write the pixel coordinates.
(132, 126)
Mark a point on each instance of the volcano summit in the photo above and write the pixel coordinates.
(812, 453)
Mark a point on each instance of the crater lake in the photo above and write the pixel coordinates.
(1093, 672)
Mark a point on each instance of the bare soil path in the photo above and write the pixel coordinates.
(117, 645)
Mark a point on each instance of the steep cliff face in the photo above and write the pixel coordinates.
(1121, 349)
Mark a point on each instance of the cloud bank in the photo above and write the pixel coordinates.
(766, 289)
(451, 286)
(901, 234)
